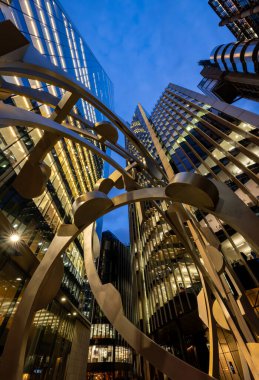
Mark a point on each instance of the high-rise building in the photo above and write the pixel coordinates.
(110, 357)
(231, 72)
(207, 136)
(193, 133)
(74, 170)
(240, 16)
(168, 280)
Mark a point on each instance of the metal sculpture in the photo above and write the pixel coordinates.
(184, 188)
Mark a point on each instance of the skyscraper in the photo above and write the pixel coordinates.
(110, 357)
(197, 134)
(231, 72)
(74, 170)
(241, 17)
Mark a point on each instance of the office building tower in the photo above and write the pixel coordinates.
(241, 17)
(35, 218)
(231, 72)
(209, 137)
(110, 357)
(168, 280)
(196, 134)
(139, 128)
(52, 33)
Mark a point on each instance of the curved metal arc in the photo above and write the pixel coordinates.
(140, 195)
(236, 330)
(147, 174)
(227, 198)
(28, 92)
(12, 116)
(221, 210)
(110, 303)
(213, 341)
(116, 148)
(222, 202)
(34, 66)
(223, 300)
(40, 96)
(43, 282)
(51, 100)
(46, 266)
(38, 288)
(35, 290)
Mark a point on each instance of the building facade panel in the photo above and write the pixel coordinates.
(167, 279)
(202, 135)
(74, 171)
(232, 71)
(110, 357)
(241, 17)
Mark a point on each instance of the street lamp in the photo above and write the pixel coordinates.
(14, 238)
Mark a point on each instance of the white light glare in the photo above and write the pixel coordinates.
(14, 238)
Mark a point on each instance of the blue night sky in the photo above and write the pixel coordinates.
(143, 45)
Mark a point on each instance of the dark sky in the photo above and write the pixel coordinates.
(143, 45)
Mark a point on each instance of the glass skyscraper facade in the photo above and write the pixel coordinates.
(74, 171)
(202, 135)
(209, 137)
(167, 279)
(49, 28)
(231, 72)
(240, 16)
(110, 357)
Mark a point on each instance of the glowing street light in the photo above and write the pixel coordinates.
(14, 238)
